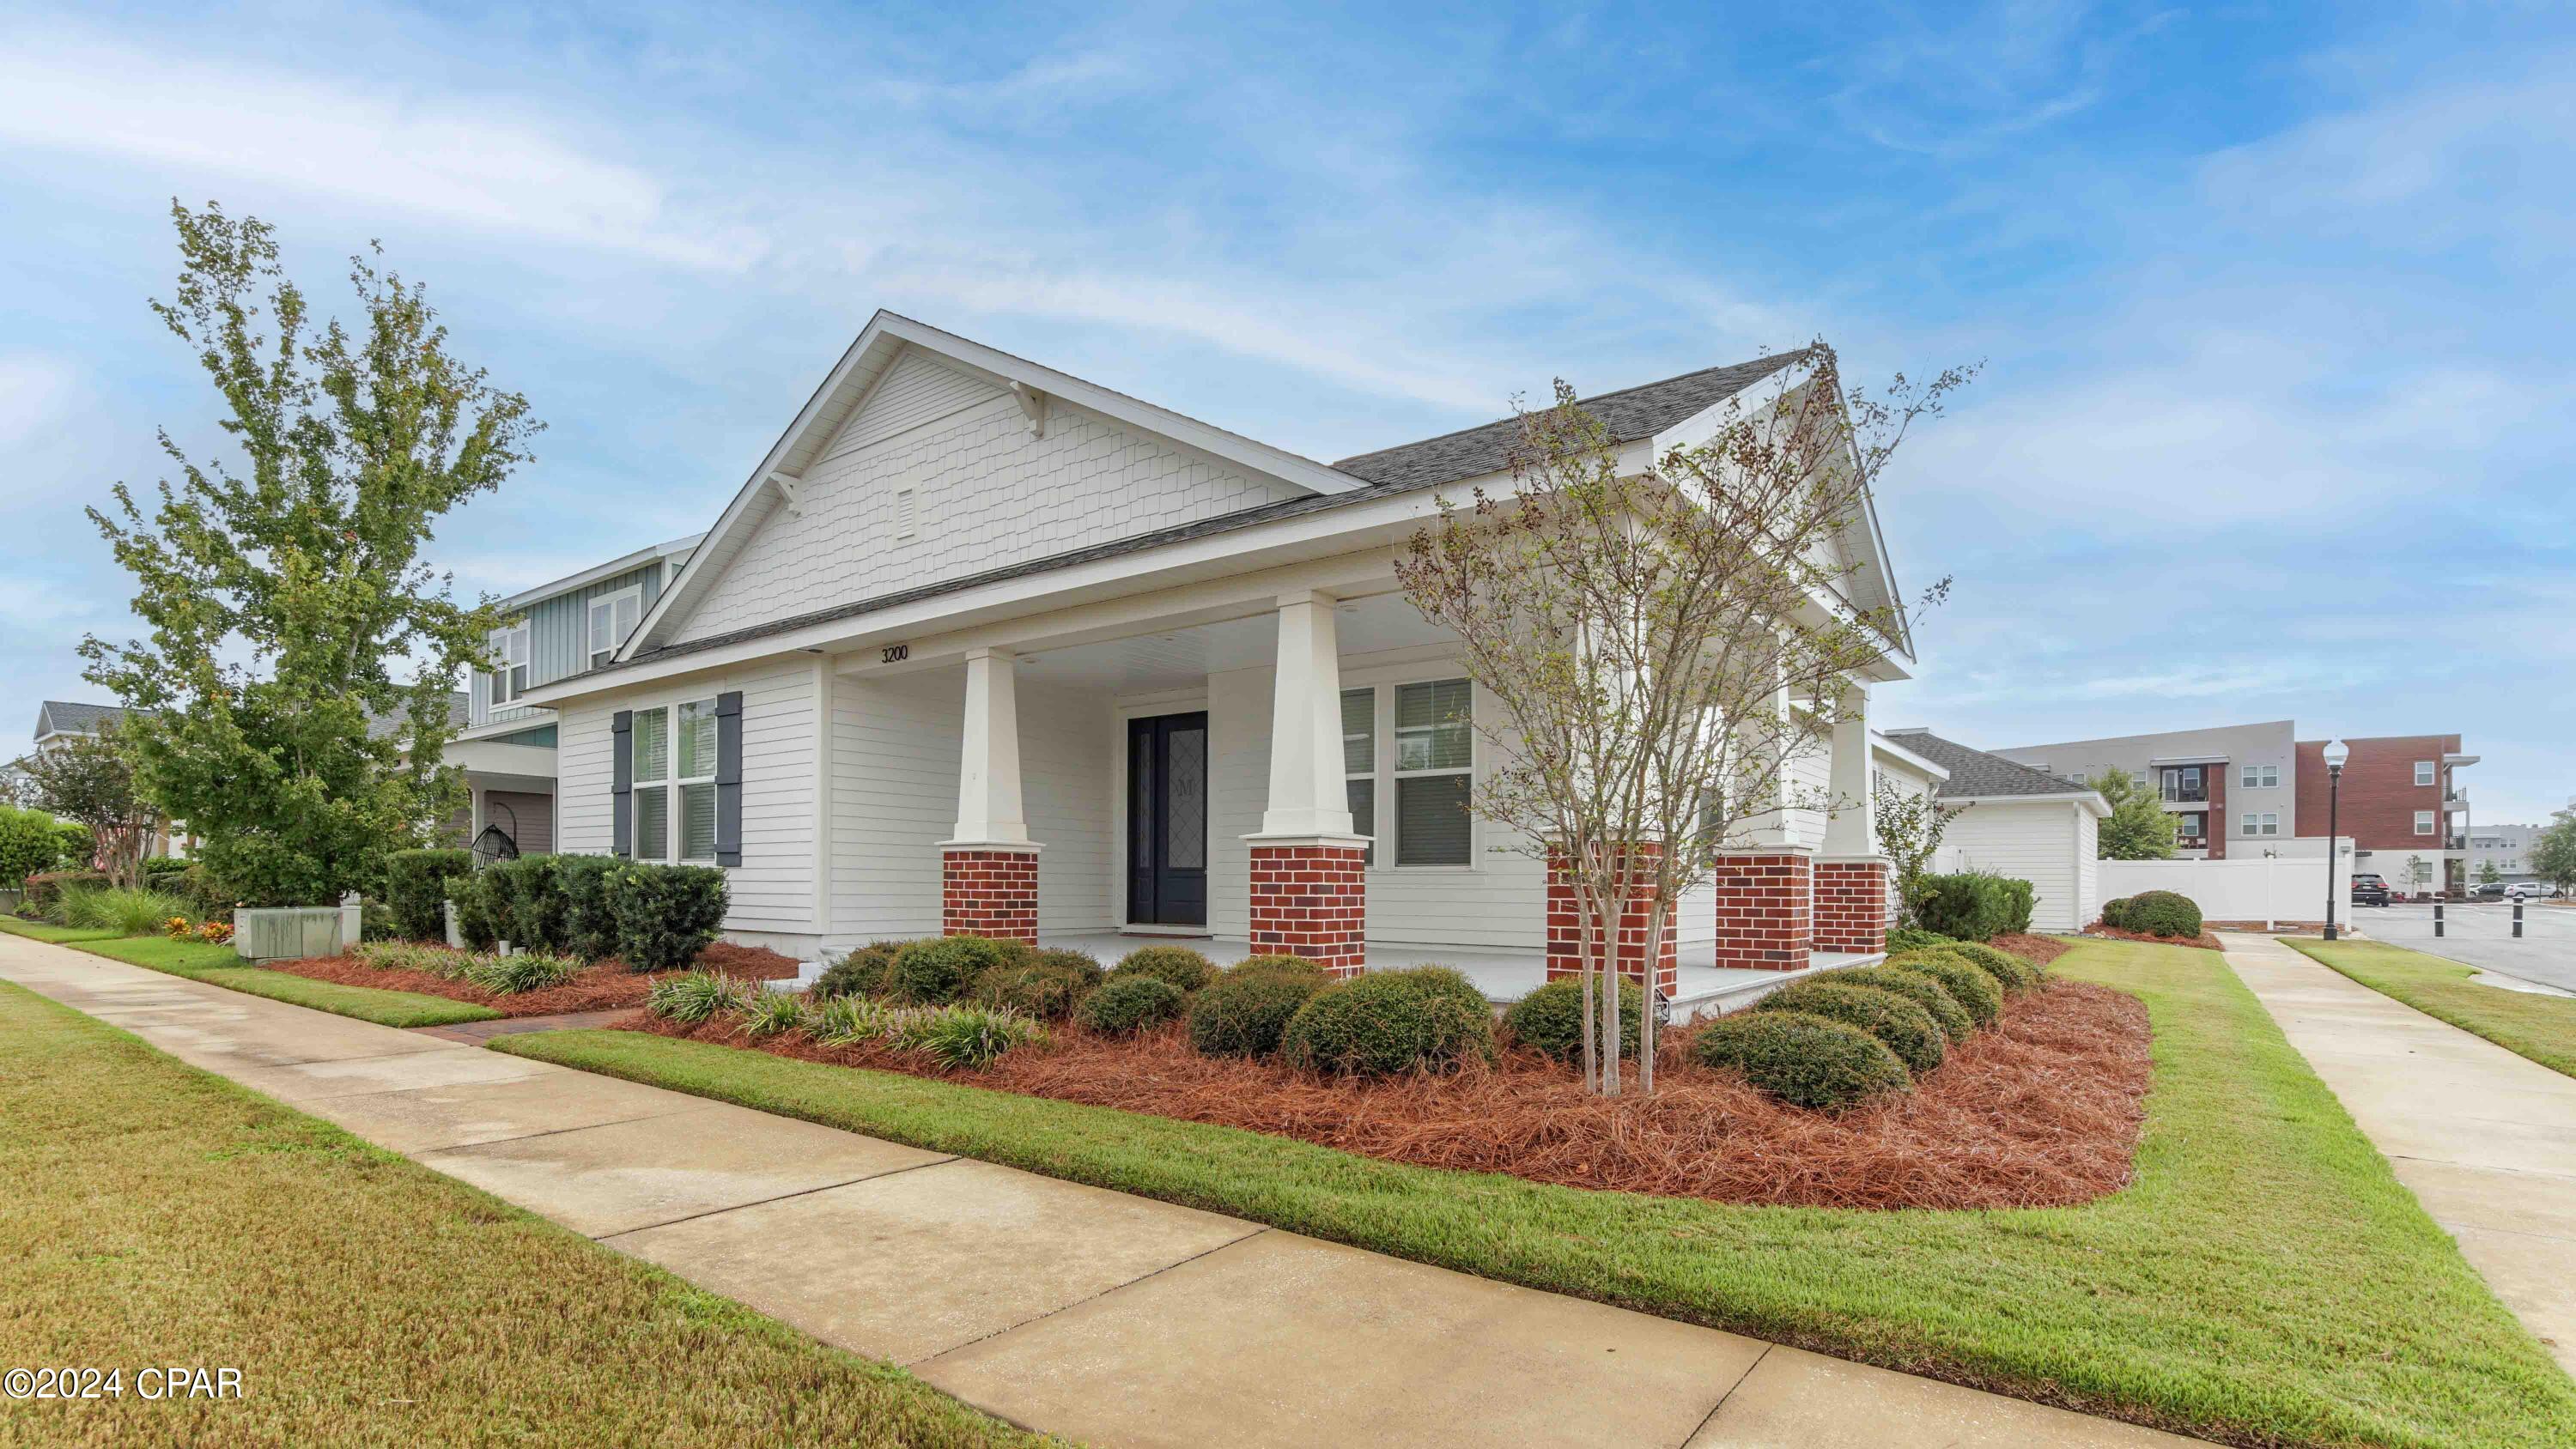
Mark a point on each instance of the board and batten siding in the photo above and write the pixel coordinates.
(983, 493)
(771, 894)
(2034, 841)
(559, 636)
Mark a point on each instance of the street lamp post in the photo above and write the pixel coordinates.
(2336, 753)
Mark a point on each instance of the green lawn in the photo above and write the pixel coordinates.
(2525, 1023)
(161, 1215)
(2265, 1281)
(219, 966)
(44, 931)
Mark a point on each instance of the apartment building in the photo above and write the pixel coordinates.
(2252, 789)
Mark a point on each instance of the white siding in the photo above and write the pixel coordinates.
(772, 891)
(2088, 868)
(2035, 842)
(984, 494)
(917, 389)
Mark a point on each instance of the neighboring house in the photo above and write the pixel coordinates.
(2018, 821)
(2506, 847)
(2256, 789)
(58, 720)
(505, 745)
(981, 646)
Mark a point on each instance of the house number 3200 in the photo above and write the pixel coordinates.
(896, 653)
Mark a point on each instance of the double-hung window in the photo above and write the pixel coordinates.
(674, 757)
(510, 664)
(2423, 822)
(612, 618)
(2260, 776)
(2267, 822)
(1359, 761)
(2423, 772)
(1435, 764)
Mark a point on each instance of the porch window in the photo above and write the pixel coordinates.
(510, 654)
(612, 618)
(674, 759)
(1359, 761)
(1435, 759)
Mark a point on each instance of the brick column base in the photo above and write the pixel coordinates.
(1765, 909)
(1636, 922)
(1310, 899)
(989, 891)
(1851, 903)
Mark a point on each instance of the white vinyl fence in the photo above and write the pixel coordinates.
(2269, 889)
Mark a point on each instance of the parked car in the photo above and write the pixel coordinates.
(2493, 890)
(2369, 888)
(2529, 890)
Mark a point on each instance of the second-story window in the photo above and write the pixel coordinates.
(2423, 822)
(2423, 772)
(2260, 776)
(612, 618)
(510, 658)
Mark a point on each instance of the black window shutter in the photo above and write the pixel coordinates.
(729, 778)
(621, 783)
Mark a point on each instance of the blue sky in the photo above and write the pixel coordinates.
(2273, 298)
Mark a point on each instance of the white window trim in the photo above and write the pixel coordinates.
(1377, 796)
(589, 637)
(2426, 773)
(1390, 828)
(2424, 824)
(505, 642)
(671, 783)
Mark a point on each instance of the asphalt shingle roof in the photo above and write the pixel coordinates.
(458, 708)
(71, 717)
(1976, 775)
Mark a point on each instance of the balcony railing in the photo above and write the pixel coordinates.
(2186, 794)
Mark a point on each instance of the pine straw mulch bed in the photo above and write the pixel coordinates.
(2042, 949)
(2204, 941)
(601, 986)
(2040, 1111)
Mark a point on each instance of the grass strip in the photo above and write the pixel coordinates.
(47, 931)
(221, 966)
(2526, 1023)
(2265, 1280)
(160, 1215)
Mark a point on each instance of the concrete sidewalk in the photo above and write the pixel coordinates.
(1104, 1318)
(2485, 1139)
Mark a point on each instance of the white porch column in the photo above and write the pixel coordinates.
(1309, 893)
(988, 776)
(1853, 830)
(1852, 879)
(1766, 889)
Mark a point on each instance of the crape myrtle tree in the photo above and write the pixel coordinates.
(90, 780)
(1647, 623)
(2139, 826)
(283, 586)
(1910, 826)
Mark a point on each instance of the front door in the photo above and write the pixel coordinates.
(1167, 809)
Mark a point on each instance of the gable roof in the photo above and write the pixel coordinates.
(381, 725)
(1976, 775)
(68, 717)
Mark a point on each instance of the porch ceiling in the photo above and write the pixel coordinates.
(1180, 657)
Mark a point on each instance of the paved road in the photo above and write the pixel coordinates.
(2482, 936)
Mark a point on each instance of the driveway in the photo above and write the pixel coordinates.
(2482, 935)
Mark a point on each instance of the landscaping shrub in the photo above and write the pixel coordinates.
(45, 890)
(522, 899)
(159, 866)
(1914, 938)
(1805, 1061)
(474, 923)
(1974, 905)
(1924, 991)
(858, 973)
(1125, 1005)
(770, 1012)
(941, 969)
(589, 914)
(696, 996)
(1550, 1019)
(1243, 1012)
(522, 971)
(1298, 964)
(847, 1020)
(1428, 1018)
(1179, 965)
(1046, 985)
(964, 1035)
(1973, 989)
(75, 845)
(2164, 913)
(126, 910)
(210, 897)
(666, 914)
(2011, 972)
(376, 922)
(28, 844)
(1908, 1029)
(412, 956)
(2115, 913)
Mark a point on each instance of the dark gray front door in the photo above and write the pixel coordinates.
(1167, 810)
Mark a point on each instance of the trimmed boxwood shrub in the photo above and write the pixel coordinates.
(1244, 1012)
(1427, 1018)
(532, 905)
(1125, 1005)
(666, 914)
(1046, 984)
(589, 925)
(1908, 1029)
(1974, 990)
(1179, 965)
(944, 968)
(1298, 964)
(1915, 938)
(1922, 990)
(2164, 913)
(1974, 905)
(2115, 913)
(417, 885)
(860, 973)
(1550, 1019)
(159, 866)
(2011, 972)
(1805, 1061)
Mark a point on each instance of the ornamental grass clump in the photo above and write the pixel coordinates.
(1922, 990)
(1126, 1005)
(1182, 967)
(1908, 1029)
(771, 1013)
(861, 972)
(412, 956)
(1426, 1019)
(1244, 1011)
(691, 997)
(1974, 990)
(940, 970)
(848, 1020)
(126, 910)
(1550, 1019)
(522, 971)
(2015, 975)
(1805, 1061)
(965, 1035)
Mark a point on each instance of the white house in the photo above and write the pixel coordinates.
(2013, 820)
(982, 646)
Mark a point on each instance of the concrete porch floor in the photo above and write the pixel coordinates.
(1504, 976)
